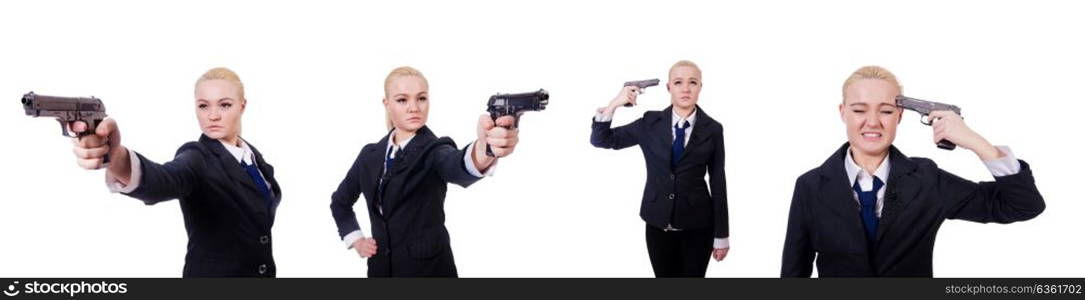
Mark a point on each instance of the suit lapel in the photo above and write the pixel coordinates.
(401, 167)
(903, 186)
(836, 194)
(237, 173)
(269, 174)
(373, 176)
(662, 132)
(699, 134)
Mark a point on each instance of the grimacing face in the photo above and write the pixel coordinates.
(219, 106)
(871, 115)
(685, 87)
(407, 102)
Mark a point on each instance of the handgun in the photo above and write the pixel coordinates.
(66, 110)
(924, 108)
(641, 84)
(515, 105)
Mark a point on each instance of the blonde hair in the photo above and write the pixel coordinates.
(222, 73)
(683, 63)
(403, 71)
(872, 72)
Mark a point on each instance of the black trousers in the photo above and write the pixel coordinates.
(683, 253)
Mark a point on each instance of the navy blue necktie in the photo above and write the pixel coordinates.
(388, 160)
(868, 202)
(254, 174)
(679, 144)
(388, 163)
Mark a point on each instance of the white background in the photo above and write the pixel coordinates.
(558, 207)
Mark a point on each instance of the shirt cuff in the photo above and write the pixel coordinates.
(719, 243)
(352, 237)
(470, 164)
(1004, 166)
(600, 117)
(116, 186)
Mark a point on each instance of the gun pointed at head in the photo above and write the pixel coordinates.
(641, 84)
(924, 108)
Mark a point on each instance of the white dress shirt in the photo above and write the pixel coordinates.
(717, 243)
(1002, 166)
(391, 149)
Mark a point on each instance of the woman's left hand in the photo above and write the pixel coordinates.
(719, 254)
(950, 126)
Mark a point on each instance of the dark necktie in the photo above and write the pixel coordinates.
(868, 202)
(389, 161)
(254, 174)
(679, 144)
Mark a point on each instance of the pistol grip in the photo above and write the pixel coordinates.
(947, 145)
(640, 91)
(105, 158)
(494, 116)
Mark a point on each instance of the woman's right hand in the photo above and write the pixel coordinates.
(628, 94)
(90, 150)
(366, 247)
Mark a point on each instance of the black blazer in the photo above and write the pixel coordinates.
(675, 194)
(825, 218)
(411, 237)
(226, 216)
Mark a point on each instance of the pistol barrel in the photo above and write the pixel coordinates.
(38, 105)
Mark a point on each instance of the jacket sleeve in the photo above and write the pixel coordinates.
(172, 180)
(718, 185)
(346, 195)
(1008, 199)
(602, 136)
(449, 163)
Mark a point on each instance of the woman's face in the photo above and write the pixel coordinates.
(871, 115)
(219, 107)
(407, 102)
(684, 86)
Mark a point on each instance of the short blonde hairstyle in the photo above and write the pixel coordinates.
(683, 63)
(872, 72)
(403, 71)
(222, 73)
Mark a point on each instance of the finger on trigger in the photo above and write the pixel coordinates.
(77, 126)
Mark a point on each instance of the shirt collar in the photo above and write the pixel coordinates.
(242, 154)
(400, 145)
(675, 118)
(855, 171)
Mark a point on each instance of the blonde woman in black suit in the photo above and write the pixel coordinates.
(227, 190)
(404, 177)
(871, 211)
